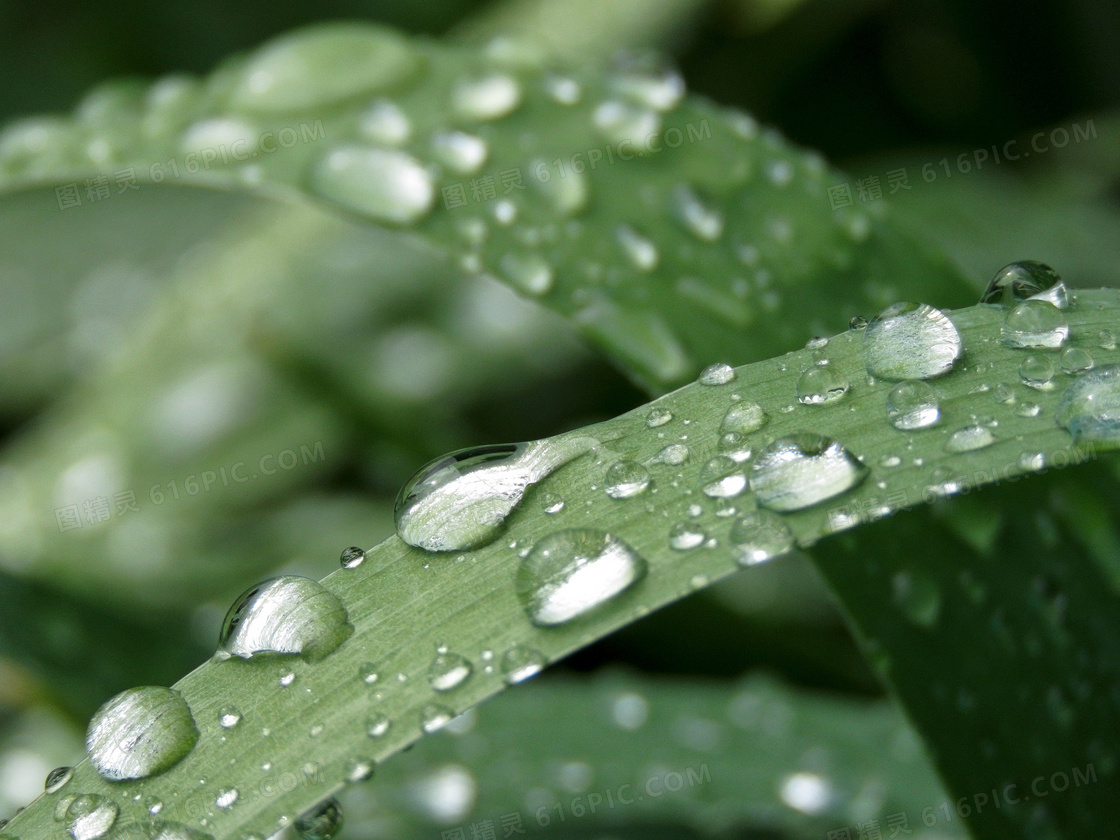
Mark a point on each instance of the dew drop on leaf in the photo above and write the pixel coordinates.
(685, 536)
(486, 98)
(284, 615)
(821, 384)
(551, 502)
(641, 252)
(1037, 372)
(434, 717)
(625, 479)
(658, 417)
(910, 341)
(529, 273)
(226, 798)
(968, 438)
(228, 717)
(462, 153)
(803, 469)
(90, 816)
(1090, 407)
(672, 455)
(722, 478)
(912, 405)
(760, 536)
(449, 671)
(743, 417)
(626, 122)
(1076, 360)
(1019, 281)
(377, 726)
(385, 124)
(359, 770)
(140, 732)
(1035, 323)
(520, 663)
(717, 374)
(386, 185)
(57, 779)
(351, 557)
(698, 217)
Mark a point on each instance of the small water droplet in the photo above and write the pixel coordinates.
(640, 251)
(1029, 409)
(226, 798)
(1032, 461)
(140, 732)
(912, 405)
(857, 322)
(359, 770)
(57, 779)
(821, 384)
(803, 469)
(743, 417)
(529, 273)
(90, 816)
(717, 374)
(449, 671)
(520, 663)
(1035, 323)
(625, 122)
(571, 572)
(434, 717)
(228, 717)
(286, 677)
(968, 438)
(672, 455)
(647, 79)
(385, 184)
(322, 822)
(1076, 360)
(910, 341)
(551, 502)
(1004, 393)
(701, 220)
(564, 90)
(1107, 339)
(625, 479)
(351, 557)
(285, 615)
(486, 97)
(721, 478)
(685, 536)
(378, 725)
(1090, 408)
(385, 124)
(658, 417)
(460, 152)
(760, 536)
(1037, 372)
(1019, 281)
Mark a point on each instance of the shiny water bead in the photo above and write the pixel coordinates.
(551, 502)
(284, 615)
(722, 478)
(569, 573)
(486, 98)
(385, 124)
(912, 405)
(717, 374)
(800, 470)
(857, 322)
(743, 417)
(323, 65)
(461, 500)
(647, 79)
(228, 717)
(386, 185)
(1019, 281)
(621, 122)
(140, 732)
(90, 816)
(378, 725)
(1035, 323)
(673, 455)
(685, 536)
(57, 779)
(226, 798)
(448, 671)
(910, 341)
(462, 153)
(641, 252)
(322, 822)
(1090, 408)
(520, 663)
(359, 770)
(968, 438)
(1037, 372)
(760, 536)
(1076, 360)
(658, 417)
(351, 557)
(434, 717)
(625, 479)
(698, 217)
(821, 384)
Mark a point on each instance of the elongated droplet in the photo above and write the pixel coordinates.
(1025, 279)
(520, 663)
(569, 573)
(640, 251)
(57, 779)
(912, 405)
(658, 417)
(802, 469)
(448, 671)
(821, 384)
(140, 732)
(760, 536)
(672, 455)
(1035, 323)
(717, 374)
(969, 438)
(486, 97)
(385, 184)
(461, 500)
(1090, 408)
(743, 417)
(625, 479)
(284, 615)
(322, 822)
(701, 220)
(90, 816)
(910, 341)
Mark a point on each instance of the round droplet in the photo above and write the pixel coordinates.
(673, 455)
(228, 717)
(461, 500)
(640, 251)
(625, 122)
(717, 374)
(551, 502)
(821, 384)
(226, 798)
(323, 65)
(685, 536)
(625, 479)
(368, 673)
(698, 217)
(912, 405)
(377, 726)
(385, 124)
(90, 816)
(284, 615)
(571, 572)
(1076, 360)
(486, 97)
(140, 732)
(743, 417)
(760, 536)
(1037, 372)
(448, 671)
(351, 557)
(802, 469)
(462, 153)
(1035, 323)
(722, 478)
(519, 663)
(1019, 281)
(910, 341)
(385, 184)
(658, 417)
(968, 438)
(57, 779)
(322, 822)
(434, 717)
(1090, 408)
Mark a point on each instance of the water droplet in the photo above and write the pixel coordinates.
(434, 717)
(672, 455)
(640, 251)
(385, 124)
(351, 557)
(760, 536)
(448, 671)
(385, 184)
(1107, 339)
(228, 717)
(658, 417)
(563, 90)
(368, 673)
(462, 153)
(486, 97)
(140, 732)
(857, 322)
(701, 220)
(461, 500)
(322, 822)
(1037, 372)
(1090, 408)
(226, 798)
(529, 273)
(377, 726)
(623, 122)
(912, 405)
(685, 536)
(910, 341)
(717, 374)
(1004, 393)
(721, 478)
(1032, 461)
(1076, 360)
(322, 65)
(821, 384)
(519, 663)
(569, 573)
(285, 615)
(286, 677)
(1029, 409)
(90, 816)
(918, 597)
(1035, 323)
(57, 779)
(625, 479)
(806, 792)
(968, 438)
(359, 770)
(1019, 281)
(743, 417)
(802, 469)
(649, 80)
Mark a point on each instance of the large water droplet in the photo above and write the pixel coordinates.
(743, 417)
(90, 816)
(323, 65)
(284, 615)
(140, 732)
(385, 184)
(625, 479)
(821, 384)
(1035, 323)
(486, 97)
(569, 573)
(760, 536)
(912, 405)
(1090, 408)
(1019, 281)
(448, 671)
(322, 822)
(672, 455)
(700, 219)
(910, 341)
(519, 663)
(802, 469)
(461, 500)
